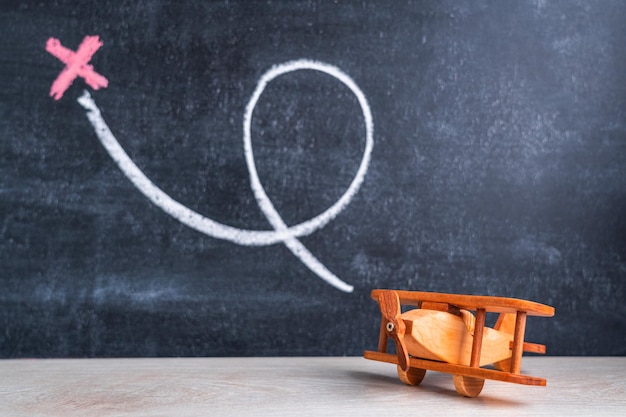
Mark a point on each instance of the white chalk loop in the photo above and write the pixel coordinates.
(282, 233)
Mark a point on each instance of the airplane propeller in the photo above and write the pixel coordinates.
(390, 308)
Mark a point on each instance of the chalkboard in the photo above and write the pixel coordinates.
(227, 178)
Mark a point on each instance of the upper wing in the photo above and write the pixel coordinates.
(472, 302)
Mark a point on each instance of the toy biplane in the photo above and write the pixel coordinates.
(442, 334)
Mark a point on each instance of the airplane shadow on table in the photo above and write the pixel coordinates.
(435, 383)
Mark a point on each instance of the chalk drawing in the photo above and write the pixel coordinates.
(281, 233)
(76, 65)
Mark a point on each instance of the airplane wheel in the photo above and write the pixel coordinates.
(468, 386)
(411, 377)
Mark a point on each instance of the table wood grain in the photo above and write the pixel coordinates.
(337, 386)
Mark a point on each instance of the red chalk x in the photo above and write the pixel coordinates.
(77, 65)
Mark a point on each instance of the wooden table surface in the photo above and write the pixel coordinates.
(348, 386)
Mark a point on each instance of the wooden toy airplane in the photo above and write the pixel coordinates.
(442, 335)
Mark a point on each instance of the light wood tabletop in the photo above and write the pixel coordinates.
(321, 386)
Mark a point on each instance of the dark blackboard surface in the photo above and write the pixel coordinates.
(499, 168)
